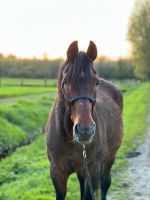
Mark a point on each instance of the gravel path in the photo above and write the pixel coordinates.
(139, 172)
(137, 175)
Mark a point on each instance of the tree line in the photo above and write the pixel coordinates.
(12, 66)
(115, 69)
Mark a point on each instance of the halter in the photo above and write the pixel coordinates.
(72, 100)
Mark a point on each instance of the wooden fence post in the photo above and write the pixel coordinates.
(45, 82)
(22, 82)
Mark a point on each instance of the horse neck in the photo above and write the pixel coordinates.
(64, 119)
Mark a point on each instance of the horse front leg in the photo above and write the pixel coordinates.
(59, 179)
(94, 174)
(88, 194)
(105, 184)
(82, 185)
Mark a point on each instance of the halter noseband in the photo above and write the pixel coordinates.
(72, 100)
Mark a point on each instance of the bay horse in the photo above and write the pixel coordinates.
(87, 111)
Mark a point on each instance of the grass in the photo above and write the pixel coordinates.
(11, 136)
(22, 122)
(14, 91)
(127, 86)
(28, 81)
(25, 174)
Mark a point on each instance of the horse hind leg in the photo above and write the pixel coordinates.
(105, 179)
(105, 184)
(97, 194)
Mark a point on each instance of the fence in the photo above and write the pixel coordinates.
(28, 82)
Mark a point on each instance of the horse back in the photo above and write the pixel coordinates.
(111, 91)
(108, 113)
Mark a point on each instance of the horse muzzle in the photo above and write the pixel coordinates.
(84, 135)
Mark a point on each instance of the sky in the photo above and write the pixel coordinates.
(32, 28)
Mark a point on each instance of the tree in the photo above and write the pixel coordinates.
(139, 37)
(115, 69)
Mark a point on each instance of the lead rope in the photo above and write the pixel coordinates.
(87, 173)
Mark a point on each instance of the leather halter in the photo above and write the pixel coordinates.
(72, 100)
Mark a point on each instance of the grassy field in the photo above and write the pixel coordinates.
(14, 91)
(12, 87)
(25, 174)
(22, 122)
(30, 82)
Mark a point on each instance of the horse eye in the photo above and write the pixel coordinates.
(97, 81)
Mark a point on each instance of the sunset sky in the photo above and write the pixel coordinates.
(30, 28)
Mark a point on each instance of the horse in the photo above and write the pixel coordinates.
(87, 112)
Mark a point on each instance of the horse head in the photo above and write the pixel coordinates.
(78, 87)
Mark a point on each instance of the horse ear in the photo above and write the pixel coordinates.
(92, 50)
(72, 51)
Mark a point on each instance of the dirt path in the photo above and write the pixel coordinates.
(137, 175)
(32, 96)
(139, 172)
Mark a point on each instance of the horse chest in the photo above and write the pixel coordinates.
(74, 162)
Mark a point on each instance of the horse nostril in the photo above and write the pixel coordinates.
(77, 128)
(89, 130)
(93, 128)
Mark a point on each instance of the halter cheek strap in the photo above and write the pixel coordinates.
(72, 100)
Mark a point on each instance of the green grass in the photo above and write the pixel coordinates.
(11, 136)
(22, 122)
(25, 174)
(14, 91)
(25, 81)
(127, 86)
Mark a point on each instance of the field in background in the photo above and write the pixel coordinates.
(28, 82)
(11, 87)
(14, 91)
(25, 173)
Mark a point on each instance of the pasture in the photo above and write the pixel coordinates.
(24, 174)
(28, 82)
(15, 91)
(11, 87)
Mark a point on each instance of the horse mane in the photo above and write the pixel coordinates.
(73, 71)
